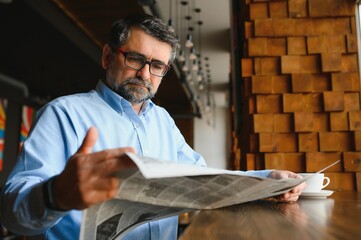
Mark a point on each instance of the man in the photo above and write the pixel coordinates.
(66, 165)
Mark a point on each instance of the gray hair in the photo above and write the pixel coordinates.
(151, 25)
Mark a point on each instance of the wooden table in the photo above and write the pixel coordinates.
(335, 217)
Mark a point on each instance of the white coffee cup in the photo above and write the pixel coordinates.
(315, 181)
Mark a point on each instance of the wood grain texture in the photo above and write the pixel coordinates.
(336, 217)
(318, 160)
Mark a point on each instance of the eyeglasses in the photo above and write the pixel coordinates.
(136, 61)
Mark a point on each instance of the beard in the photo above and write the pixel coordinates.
(135, 90)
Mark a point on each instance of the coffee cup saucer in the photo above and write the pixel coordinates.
(320, 194)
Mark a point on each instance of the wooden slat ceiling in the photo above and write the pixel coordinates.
(95, 17)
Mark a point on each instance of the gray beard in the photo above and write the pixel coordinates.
(130, 92)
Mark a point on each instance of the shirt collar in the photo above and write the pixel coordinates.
(118, 103)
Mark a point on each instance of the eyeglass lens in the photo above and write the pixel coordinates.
(137, 62)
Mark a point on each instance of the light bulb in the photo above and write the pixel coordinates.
(192, 56)
(171, 29)
(181, 57)
(194, 66)
(207, 108)
(170, 26)
(189, 77)
(189, 43)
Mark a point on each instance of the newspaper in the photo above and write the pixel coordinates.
(159, 189)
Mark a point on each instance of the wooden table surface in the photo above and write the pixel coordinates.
(335, 217)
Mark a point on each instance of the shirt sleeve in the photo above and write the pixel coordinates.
(44, 155)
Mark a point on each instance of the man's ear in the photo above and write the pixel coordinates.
(106, 56)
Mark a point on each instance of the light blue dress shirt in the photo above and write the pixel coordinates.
(59, 130)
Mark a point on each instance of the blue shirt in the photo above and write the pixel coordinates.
(58, 132)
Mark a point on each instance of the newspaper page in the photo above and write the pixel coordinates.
(115, 218)
(159, 189)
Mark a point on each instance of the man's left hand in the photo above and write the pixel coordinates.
(294, 193)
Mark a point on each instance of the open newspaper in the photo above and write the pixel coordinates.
(160, 189)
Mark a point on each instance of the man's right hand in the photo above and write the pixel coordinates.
(89, 178)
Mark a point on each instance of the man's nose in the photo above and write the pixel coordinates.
(144, 72)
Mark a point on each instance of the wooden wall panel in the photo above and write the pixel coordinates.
(278, 9)
(318, 160)
(269, 103)
(261, 84)
(357, 139)
(341, 181)
(257, 47)
(301, 76)
(258, 10)
(336, 141)
(352, 161)
(255, 161)
(355, 120)
(303, 121)
(263, 123)
(283, 123)
(333, 101)
(247, 67)
(280, 84)
(351, 40)
(308, 142)
(339, 121)
(306, 83)
(297, 8)
(291, 161)
(263, 28)
(296, 46)
(325, 8)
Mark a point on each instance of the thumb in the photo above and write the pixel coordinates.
(89, 141)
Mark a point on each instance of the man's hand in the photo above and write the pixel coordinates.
(292, 195)
(89, 178)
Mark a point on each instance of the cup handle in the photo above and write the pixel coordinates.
(327, 182)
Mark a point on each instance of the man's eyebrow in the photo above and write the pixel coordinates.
(142, 55)
(137, 53)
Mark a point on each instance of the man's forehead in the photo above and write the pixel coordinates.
(141, 42)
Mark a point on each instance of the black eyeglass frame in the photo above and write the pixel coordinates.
(166, 66)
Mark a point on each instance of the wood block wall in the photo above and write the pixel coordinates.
(300, 76)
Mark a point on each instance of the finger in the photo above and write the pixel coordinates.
(295, 175)
(287, 198)
(294, 195)
(89, 141)
(109, 167)
(300, 187)
(292, 199)
(297, 190)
